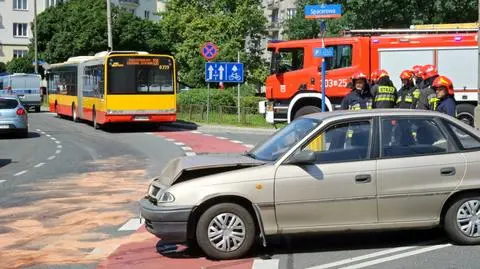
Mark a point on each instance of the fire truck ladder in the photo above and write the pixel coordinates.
(379, 32)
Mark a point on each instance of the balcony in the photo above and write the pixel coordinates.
(129, 4)
(271, 4)
(274, 25)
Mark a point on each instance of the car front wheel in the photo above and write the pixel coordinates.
(225, 231)
(462, 221)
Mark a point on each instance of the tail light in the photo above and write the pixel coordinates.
(20, 111)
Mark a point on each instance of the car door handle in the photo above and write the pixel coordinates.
(448, 171)
(363, 178)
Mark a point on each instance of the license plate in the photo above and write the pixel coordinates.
(4, 126)
(140, 118)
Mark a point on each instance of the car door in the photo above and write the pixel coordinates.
(338, 189)
(419, 167)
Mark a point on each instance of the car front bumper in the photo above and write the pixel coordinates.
(168, 223)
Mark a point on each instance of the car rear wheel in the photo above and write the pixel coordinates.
(74, 114)
(225, 231)
(37, 109)
(94, 120)
(462, 221)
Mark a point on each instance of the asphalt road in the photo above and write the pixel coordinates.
(68, 191)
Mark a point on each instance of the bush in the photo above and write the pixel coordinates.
(251, 103)
(199, 97)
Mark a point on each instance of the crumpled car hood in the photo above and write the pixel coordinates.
(190, 167)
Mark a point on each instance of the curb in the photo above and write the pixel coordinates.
(208, 127)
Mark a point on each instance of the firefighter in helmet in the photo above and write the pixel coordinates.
(384, 93)
(417, 73)
(360, 96)
(406, 94)
(428, 97)
(373, 78)
(444, 90)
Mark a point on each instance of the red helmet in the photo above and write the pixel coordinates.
(443, 81)
(359, 75)
(374, 76)
(417, 70)
(406, 74)
(429, 71)
(382, 73)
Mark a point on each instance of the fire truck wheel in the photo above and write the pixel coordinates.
(306, 110)
(465, 113)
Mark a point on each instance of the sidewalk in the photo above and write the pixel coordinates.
(213, 128)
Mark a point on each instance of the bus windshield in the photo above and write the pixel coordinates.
(140, 75)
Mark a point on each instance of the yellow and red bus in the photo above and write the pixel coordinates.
(115, 86)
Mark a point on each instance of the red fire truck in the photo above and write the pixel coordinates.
(293, 88)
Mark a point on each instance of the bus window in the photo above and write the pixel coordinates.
(130, 75)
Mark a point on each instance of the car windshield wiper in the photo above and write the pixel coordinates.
(249, 154)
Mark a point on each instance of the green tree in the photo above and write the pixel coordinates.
(227, 23)
(20, 65)
(3, 67)
(79, 27)
(366, 14)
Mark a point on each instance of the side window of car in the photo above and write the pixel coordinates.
(467, 140)
(342, 142)
(403, 137)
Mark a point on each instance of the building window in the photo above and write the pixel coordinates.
(275, 15)
(20, 4)
(52, 3)
(291, 12)
(147, 14)
(20, 30)
(19, 53)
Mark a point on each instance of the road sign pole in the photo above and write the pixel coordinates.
(208, 100)
(476, 119)
(324, 66)
(238, 91)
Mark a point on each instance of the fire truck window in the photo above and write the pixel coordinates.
(291, 59)
(342, 57)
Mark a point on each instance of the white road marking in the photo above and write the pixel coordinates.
(396, 257)
(190, 153)
(132, 224)
(361, 258)
(38, 130)
(58, 142)
(59, 146)
(53, 138)
(170, 140)
(187, 148)
(236, 141)
(20, 173)
(2, 180)
(196, 132)
(43, 133)
(149, 133)
(207, 135)
(249, 146)
(221, 137)
(179, 143)
(51, 157)
(265, 264)
(48, 135)
(58, 152)
(102, 252)
(39, 165)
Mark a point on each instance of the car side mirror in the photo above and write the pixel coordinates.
(304, 157)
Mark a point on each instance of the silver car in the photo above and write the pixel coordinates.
(13, 116)
(335, 171)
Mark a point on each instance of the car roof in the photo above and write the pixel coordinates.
(339, 114)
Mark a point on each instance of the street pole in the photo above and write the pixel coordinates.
(238, 91)
(109, 26)
(208, 100)
(324, 63)
(35, 34)
(477, 109)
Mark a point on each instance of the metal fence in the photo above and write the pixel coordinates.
(220, 114)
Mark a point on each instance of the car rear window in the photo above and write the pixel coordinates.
(8, 103)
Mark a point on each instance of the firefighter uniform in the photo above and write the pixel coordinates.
(445, 95)
(408, 94)
(428, 98)
(384, 94)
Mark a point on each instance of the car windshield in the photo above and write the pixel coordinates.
(8, 103)
(283, 140)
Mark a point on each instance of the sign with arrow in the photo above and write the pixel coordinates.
(224, 72)
(322, 52)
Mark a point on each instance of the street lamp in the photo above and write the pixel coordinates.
(477, 109)
(109, 26)
(35, 34)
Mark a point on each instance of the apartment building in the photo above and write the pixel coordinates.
(16, 17)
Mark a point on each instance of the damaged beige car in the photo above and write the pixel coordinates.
(336, 171)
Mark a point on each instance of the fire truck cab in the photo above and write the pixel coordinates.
(293, 88)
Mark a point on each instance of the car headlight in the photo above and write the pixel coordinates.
(166, 197)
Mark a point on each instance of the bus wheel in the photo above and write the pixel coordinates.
(94, 120)
(37, 109)
(74, 113)
(465, 113)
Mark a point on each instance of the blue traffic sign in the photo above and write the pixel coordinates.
(323, 11)
(209, 51)
(322, 52)
(224, 72)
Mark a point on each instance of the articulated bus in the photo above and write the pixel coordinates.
(113, 87)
